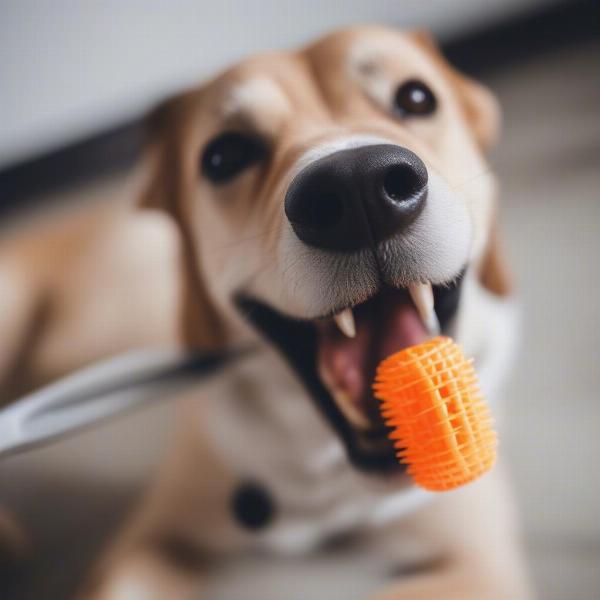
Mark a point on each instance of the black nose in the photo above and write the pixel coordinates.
(358, 197)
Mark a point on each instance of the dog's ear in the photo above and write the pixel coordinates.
(479, 105)
(494, 273)
(165, 189)
(161, 185)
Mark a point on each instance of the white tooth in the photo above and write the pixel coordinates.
(422, 295)
(345, 321)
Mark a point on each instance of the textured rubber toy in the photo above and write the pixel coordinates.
(442, 428)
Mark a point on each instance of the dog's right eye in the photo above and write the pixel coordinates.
(229, 154)
(414, 99)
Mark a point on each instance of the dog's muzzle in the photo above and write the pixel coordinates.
(356, 198)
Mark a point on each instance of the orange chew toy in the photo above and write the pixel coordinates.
(441, 425)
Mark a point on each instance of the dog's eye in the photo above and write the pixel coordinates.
(414, 98)
(229, 154)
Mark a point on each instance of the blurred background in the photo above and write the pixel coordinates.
(75, 81)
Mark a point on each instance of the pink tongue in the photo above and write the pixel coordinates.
(348, 364)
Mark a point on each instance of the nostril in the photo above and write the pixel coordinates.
(324, 210)
(357, 197)
(402, 182)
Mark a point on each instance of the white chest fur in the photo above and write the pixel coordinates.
(265, 428)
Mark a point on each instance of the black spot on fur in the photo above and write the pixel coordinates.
(252, 506)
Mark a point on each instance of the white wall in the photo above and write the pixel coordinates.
(72, 67)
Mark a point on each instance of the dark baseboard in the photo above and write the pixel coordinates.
(100, 155)
(547, 29)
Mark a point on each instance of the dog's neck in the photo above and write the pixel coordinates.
(266, 429)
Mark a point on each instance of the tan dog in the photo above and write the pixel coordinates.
(345, 180)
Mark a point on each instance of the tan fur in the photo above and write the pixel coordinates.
(494, 273)
(479, 105)
(227, 234)
(79, 289)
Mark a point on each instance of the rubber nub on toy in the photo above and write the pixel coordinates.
(441, 427)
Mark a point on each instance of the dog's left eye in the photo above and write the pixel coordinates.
(229, 154)
(414, 98)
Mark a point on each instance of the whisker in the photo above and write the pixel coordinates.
(300, 256)
(487, 171)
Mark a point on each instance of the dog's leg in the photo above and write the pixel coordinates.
(477, 554)
(162, 553)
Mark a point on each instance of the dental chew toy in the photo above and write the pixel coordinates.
(441, 426)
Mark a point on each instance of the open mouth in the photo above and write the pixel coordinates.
(336, 357)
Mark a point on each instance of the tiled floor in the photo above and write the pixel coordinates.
(549, 166)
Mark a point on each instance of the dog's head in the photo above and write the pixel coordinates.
(331, 199)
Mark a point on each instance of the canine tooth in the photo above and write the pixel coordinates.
(422, 295)
(345, 321)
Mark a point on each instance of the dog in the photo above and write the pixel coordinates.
(319, 210)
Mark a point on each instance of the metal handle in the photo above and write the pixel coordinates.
(99, 392)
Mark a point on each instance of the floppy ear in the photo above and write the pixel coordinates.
(479, 105)
(162, 185)
(164, 190)
(494, 273)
